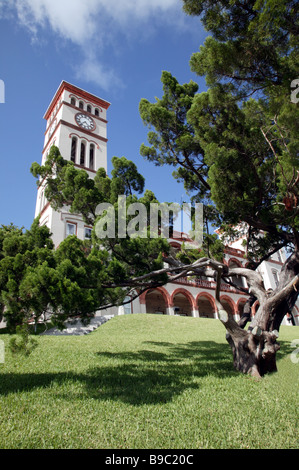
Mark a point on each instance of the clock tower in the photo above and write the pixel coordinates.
(77, 125)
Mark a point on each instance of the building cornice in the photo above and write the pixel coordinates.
(76, 90)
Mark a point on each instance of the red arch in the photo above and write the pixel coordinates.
(230, 302)
(183, 291)
(242, 299)
(236, 261)
(207, 296)
(175, 245)
(161, 290)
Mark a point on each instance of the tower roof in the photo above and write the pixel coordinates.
(76, 91)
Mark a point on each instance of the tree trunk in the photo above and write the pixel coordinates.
(254, 351)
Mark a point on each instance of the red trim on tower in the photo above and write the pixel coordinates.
(76, 90)
(85, 131)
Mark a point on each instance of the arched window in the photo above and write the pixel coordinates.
(96, 112)
(81, 105)
(182, 302)
(91, 157)
(206, 305)
(74, 149)
(73, 101)
(82, 154)
(88, 108)
(156, 302)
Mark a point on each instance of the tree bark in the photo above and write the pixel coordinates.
(254, 350)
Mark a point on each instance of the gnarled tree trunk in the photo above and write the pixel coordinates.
(254, 350)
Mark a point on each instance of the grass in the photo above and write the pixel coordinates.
(146, 382)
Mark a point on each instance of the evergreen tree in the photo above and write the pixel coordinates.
(235, 148)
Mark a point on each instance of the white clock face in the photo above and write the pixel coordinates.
(85, 121)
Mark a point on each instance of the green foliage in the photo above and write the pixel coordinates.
(67, 185)
(254, 44)
(173, 142)
(236, 145)
(22, 343)
(125, 178)
(70, 281)
(26, 257)
(79, 277)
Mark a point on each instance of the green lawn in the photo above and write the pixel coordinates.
(146, 382)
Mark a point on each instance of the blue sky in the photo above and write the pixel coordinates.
(114, 49)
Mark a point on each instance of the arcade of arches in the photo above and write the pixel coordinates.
(182, 302)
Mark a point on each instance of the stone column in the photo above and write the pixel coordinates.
(195, 312)
(170, 310)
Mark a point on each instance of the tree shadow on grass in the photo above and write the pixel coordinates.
(155, 374)
(152, 375)
(286, 349)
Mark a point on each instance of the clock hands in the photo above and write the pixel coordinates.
(85, 121)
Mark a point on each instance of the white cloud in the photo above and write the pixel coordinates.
(93, 24)
(80, 21)
(71, 19)
(91, 70)
(128, 10)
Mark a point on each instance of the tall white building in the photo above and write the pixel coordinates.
(76, 122)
